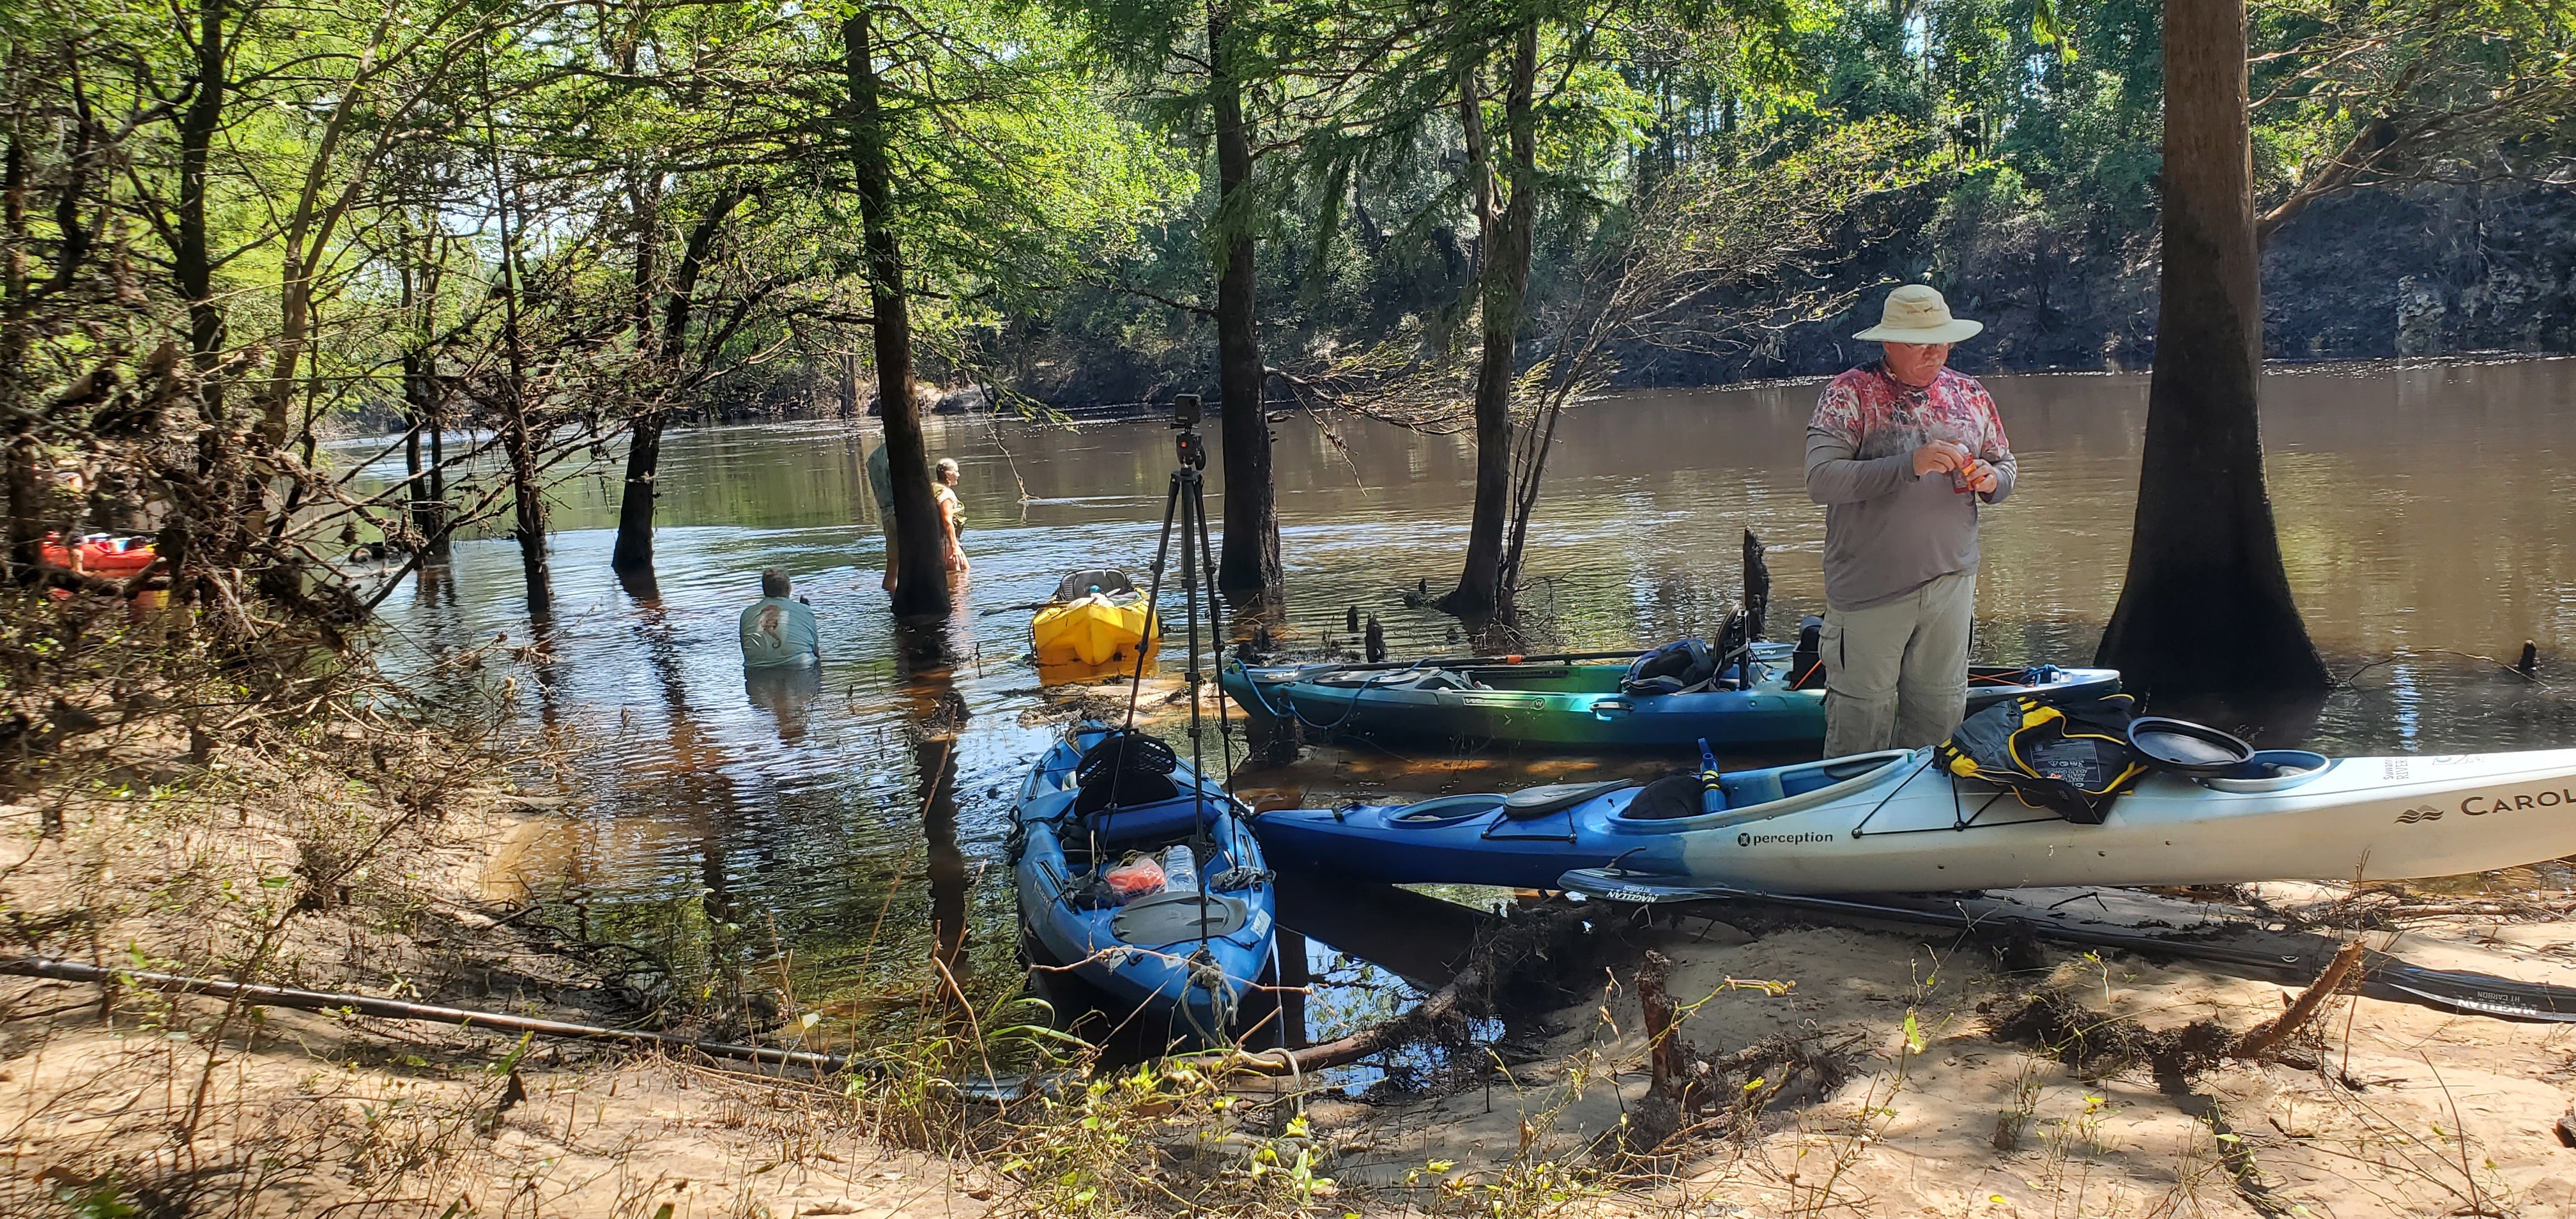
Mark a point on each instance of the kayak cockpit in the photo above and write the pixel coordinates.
(1745, 789)
(1752, 795)
(1527, 804)
(1446, 811)
(1744, 795)
(1131, 810)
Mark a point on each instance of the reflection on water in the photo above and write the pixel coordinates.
(855, 818)
(927, 666)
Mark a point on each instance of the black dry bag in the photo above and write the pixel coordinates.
(1671, 669)
(2073, 758)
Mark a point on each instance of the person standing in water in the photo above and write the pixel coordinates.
(778, 630)
(1902, 452)
(952, 521)
(881, 484)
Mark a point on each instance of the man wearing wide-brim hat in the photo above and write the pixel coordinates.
(1902, 452)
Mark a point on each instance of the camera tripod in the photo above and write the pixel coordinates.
(1185, 507)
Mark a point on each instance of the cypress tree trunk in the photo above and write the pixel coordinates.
(1505, 242)
(634, 546)
(2206, 608)
(415, 420)
(422, 396)
(518, 436)
(17, 424)
(415, 377)
(666, 350)
(1249, 565)
(191, 257)
(438, 536)
(921, 576)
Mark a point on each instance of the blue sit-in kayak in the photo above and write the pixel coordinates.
(1459, 840)
(1581, 703)
(1188, 955)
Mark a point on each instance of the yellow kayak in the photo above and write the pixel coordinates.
(1091, 630)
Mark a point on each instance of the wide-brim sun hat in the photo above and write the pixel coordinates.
(1916, 313)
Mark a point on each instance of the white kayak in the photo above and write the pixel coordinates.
(1892, 822)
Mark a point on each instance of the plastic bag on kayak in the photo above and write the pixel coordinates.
(1135, 878)
(2072, 759)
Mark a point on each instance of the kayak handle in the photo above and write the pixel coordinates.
(1611, 708)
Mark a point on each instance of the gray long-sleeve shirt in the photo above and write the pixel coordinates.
(1888, 532)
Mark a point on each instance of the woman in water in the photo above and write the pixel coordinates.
(943, 486)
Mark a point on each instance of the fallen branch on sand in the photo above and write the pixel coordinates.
(1447, 1010)
(1669, 1054)
(254, 995)
(2255, 1043)
(2056, 1017)
(1521, 951)
(2382, 976)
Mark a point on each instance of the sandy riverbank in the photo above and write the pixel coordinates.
(1887, 1072)
(1840, 1069)
(359, 865)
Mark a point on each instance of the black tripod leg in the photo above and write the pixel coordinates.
(1193, 513)
(1216, 638)
(1153, 596)
(1185, 491)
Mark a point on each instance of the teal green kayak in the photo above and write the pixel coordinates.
(1581, 703)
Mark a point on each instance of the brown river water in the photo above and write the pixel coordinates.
(854, 821)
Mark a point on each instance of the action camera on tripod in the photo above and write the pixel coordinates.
(1185, 420)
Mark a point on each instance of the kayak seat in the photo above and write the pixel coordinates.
(1132, 789)
(1672, 797)
(1675, 667)
(1080, 584)
(1125, 768)
(1171, 817)
(1555, 797)
(1751, 787)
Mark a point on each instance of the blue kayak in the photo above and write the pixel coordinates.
(1187, 954)
(1524, 840)
(1583, 703)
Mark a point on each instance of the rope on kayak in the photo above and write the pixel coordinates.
(1348, 710)
(1205, 974)
(1956, 821)
(1928, 755)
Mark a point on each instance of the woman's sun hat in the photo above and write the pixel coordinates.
(1915, 313)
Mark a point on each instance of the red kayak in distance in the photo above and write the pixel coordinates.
(109, 558)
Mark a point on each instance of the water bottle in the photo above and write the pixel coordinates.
(1712, 792)
(1180, 870)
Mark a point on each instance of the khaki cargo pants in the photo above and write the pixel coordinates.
(1896, 674)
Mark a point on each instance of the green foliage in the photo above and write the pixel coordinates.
(1155, 1137)
(1054, 188)
(103, 1198)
